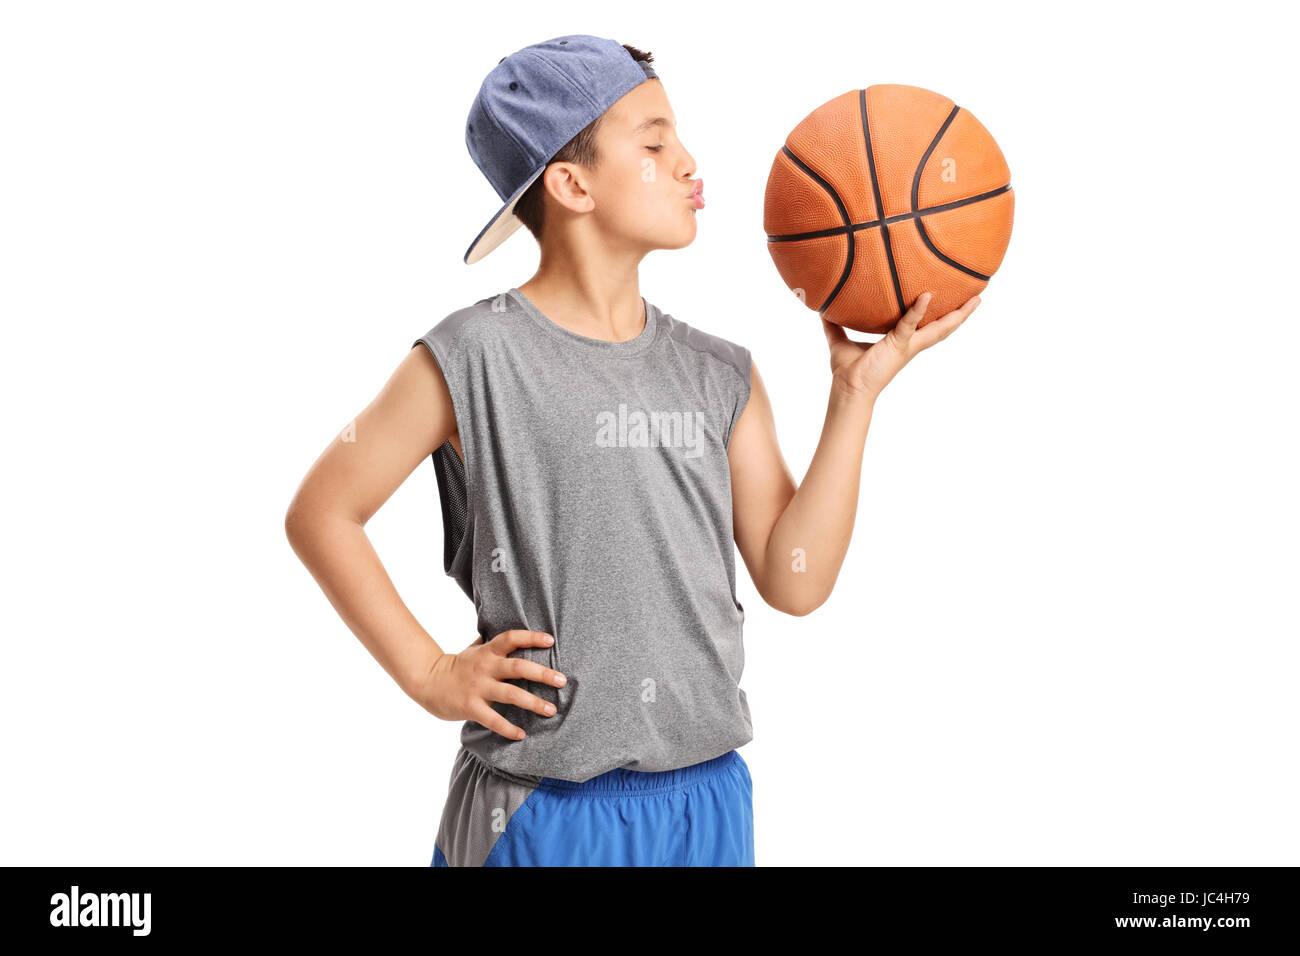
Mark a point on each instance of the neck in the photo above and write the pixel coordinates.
(596, 297)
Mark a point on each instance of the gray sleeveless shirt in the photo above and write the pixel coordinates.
(594, 503)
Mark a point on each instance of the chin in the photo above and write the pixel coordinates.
(685, 236)
(673, 235)
(681, 243)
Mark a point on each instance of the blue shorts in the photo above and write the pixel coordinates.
(701, 815)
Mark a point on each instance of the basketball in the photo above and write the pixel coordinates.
(884, 193)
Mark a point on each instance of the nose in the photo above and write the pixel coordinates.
(688, 165)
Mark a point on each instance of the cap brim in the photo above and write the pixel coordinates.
(501, 226)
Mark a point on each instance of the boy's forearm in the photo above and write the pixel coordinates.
(340, 557)
(811, 538)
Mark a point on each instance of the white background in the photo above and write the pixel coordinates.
(1065, 632)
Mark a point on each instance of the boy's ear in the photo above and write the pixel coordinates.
(564, 181)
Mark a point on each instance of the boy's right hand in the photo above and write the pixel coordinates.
(462, 686)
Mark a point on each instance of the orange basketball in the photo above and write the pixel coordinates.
(882, 194)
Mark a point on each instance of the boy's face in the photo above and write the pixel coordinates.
(640, 185)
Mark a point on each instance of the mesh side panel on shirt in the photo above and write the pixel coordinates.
(450, 472)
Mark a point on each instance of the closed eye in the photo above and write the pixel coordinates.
(654, 149)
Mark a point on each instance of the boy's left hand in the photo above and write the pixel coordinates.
(865, 368)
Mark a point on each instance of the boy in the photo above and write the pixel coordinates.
(591, 453)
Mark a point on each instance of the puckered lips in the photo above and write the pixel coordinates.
(696, 195)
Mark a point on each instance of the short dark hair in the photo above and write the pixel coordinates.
(581, 150)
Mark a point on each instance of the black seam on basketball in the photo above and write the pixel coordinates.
(916, 195)
(818, 234)
(880, 208)
(916, 179)
(925, 237)
(844, 215)
(931, 210)
(902, 217)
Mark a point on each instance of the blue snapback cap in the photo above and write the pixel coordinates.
(533, 102)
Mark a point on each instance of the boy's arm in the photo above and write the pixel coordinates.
(794, 540)
(411, 416)
(359, 470)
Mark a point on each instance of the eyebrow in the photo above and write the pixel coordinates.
(652, 121)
